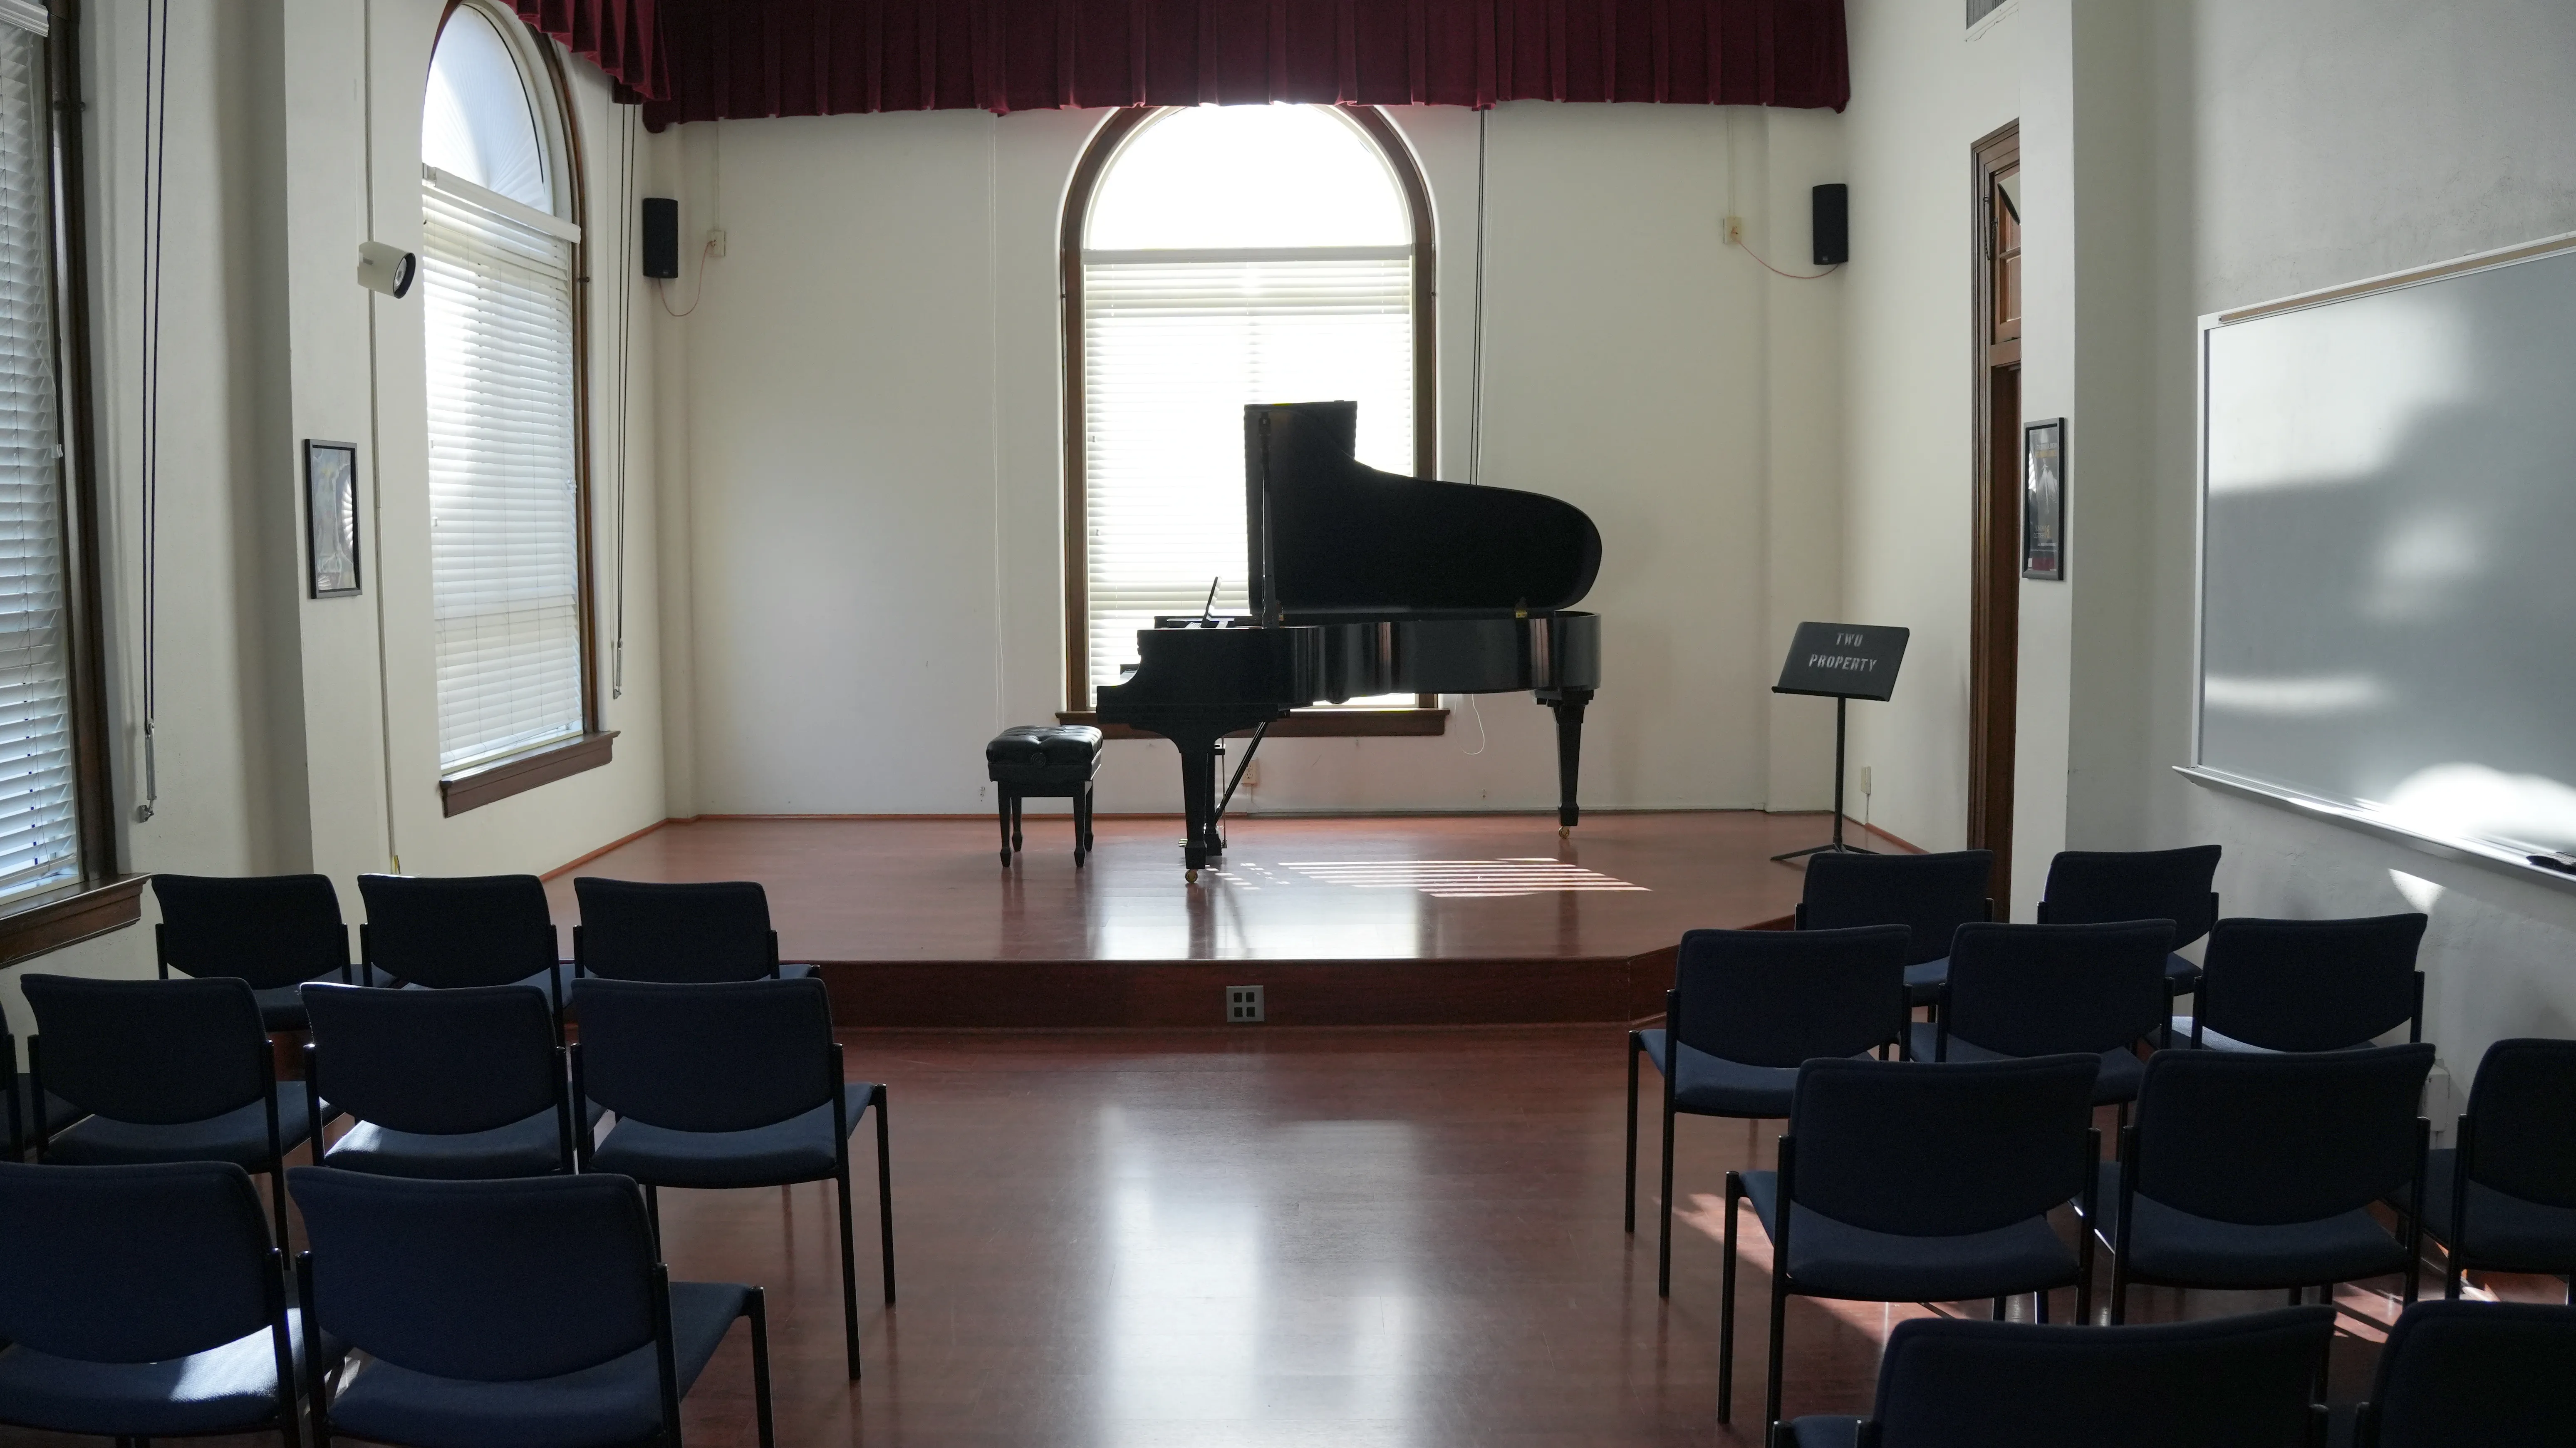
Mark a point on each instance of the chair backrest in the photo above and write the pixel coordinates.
(640, 930)
(1933, 895)
(2033, 990)
(2270, 1140)
(2232, 1382)
(2311, 985)
(133, 1264)
(1976, 1146)
(488, 1281)
(2519, 1110)
(270, 930)
(458, 931)
(2474, 1373)
(1783, 997)
(721, 1057)
(2098, 887)
(157, 1052)
(441, 1062)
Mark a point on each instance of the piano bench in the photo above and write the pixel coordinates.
(1044, 761)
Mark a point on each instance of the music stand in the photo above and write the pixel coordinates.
(1841, 662)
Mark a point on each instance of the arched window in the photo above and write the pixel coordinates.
(500, 247)
(1216, 256)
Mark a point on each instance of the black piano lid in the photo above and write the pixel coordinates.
(1328, 535)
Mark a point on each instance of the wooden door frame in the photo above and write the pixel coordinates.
(1994, 613)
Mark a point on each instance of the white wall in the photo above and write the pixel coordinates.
(288, 121)
(2178, 159)
(1924, 91)
(872, 439)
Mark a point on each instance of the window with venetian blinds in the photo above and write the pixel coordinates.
(1233, 254)
(496, 278)
(39, 811)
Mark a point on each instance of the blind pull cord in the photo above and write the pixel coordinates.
(156, 131)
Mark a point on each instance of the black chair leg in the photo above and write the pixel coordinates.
(2119, 1290)
(653, 1215)
(849, 1274)
(1779, 1319)
(1629, 1214)
(1998, 1313)
(277, 1200)
(1726, 1305)
(1664, 1209)
(885, 1197)
(2039, 1307)
(760, 1367)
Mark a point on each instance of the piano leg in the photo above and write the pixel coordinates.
(1568, 704)
(1201, 759)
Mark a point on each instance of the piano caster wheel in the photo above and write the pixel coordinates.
(1189, 877)
(1006, 859)
(1565, 832)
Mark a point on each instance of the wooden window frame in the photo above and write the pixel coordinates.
(1994, 609)
(493, 780)
(104, 898)
(1425, 717)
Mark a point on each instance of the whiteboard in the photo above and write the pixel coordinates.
(2388, 555)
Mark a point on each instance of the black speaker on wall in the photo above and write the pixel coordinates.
(661, 237)
(1833, 224)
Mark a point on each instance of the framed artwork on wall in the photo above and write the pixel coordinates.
(331, 517)
(2043, 499)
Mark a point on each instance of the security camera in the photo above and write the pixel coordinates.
(386, 269)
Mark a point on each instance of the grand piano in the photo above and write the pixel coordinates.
(1364, 583)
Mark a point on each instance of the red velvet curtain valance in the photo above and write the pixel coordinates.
(696, 60)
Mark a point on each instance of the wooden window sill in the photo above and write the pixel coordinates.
(1307, 724)
(52, 919)
(487, 783)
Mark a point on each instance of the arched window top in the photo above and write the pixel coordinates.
(479, 122)
(1248, 176)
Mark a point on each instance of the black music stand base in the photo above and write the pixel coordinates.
(1834, 846)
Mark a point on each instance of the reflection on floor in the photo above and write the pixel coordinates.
(1254, 1237)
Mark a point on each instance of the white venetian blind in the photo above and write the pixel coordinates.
(39, 824)
(496, 278)
(1233, 255)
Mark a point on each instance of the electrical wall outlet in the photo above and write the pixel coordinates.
(1864, 779)
(1243, 1005)
(1734, 231)
(1252, 775)
(715, 243)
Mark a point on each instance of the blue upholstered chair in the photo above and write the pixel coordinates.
(162, 1071)
(447, 933)
(649, 930)
(532, 1313)
(1932, 895)
(2245, 1172)
(2309, 985)
(2473, 1375)
(2103, 887)
(2503, 1197)
(1915, 1182)
(2044, 990)
(452, 1083)
(735, 1084)
(2229, 1382)
(1748, 1008)
(142, 1302)
(274, 931)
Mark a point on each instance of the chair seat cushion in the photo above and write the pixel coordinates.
(1818, 1431)
(531, 1146)
(58, 1112)
(2506, 1233)
(799, 1149)
(1923, 980)
(1714, 1086)
(281, 1008)
(2122, 1071)
(2211, 1040)
(228, 1389)
(2172, 1246)
(2181, 976)
(1043, 754)
(556, 982)
(1828, 1258)
(239, 1136)
(615, 1402)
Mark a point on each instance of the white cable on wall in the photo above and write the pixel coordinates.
(626, 268)
(156, 131)
(1476, 348)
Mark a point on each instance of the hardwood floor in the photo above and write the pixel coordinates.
(1265, 1237)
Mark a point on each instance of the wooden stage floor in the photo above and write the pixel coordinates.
(1419, 920)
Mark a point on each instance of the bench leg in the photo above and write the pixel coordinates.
(1002, 802)
(1081, 823)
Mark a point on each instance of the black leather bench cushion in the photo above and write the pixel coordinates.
(1042, 753)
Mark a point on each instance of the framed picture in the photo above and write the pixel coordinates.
(331, 516)
(2043, 499)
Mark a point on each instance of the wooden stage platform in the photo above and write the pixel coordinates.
(1417, 920)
